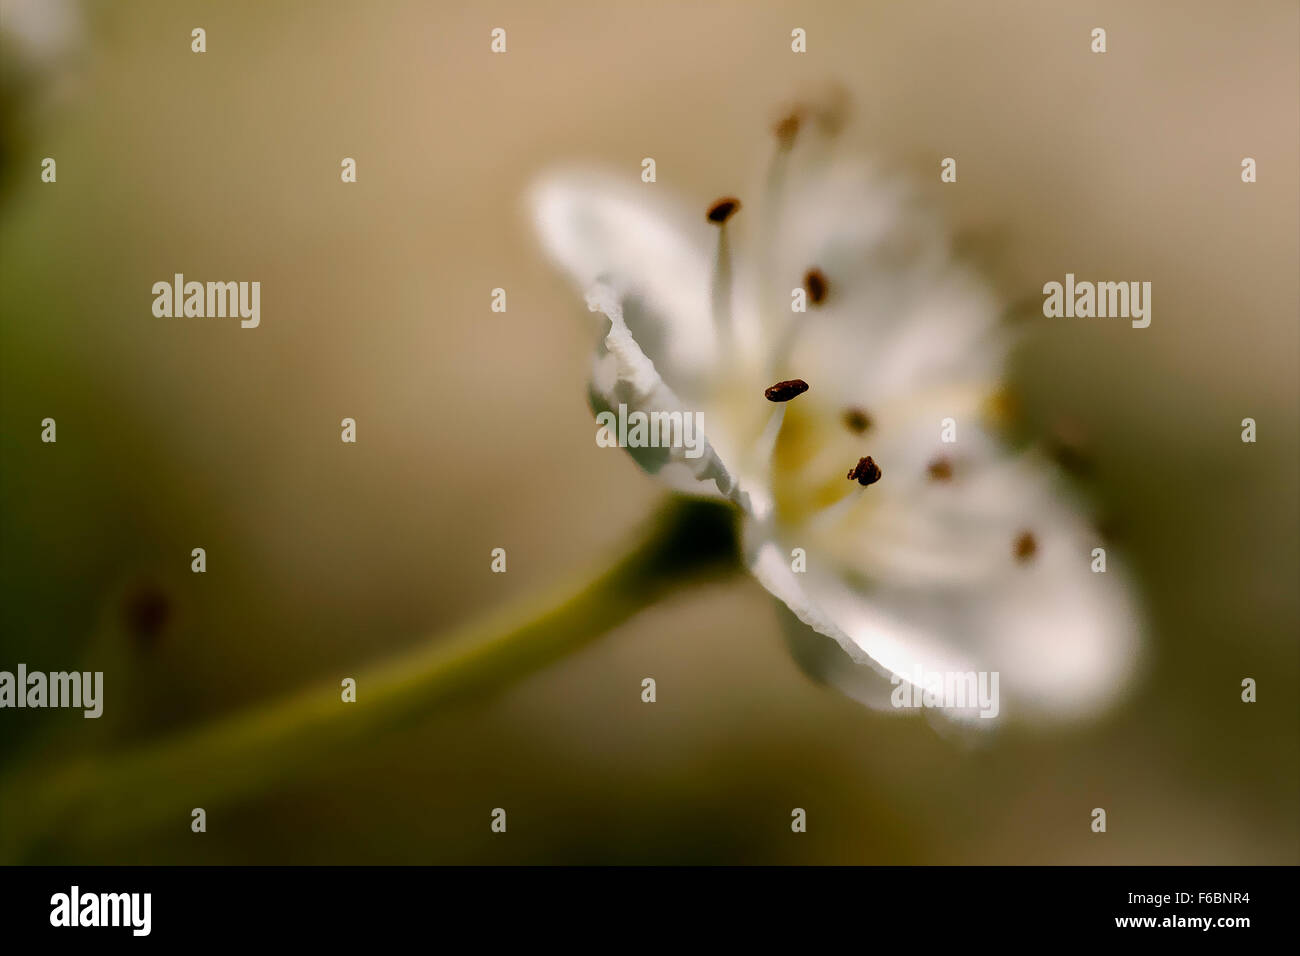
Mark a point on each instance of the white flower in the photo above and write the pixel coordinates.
(945, 557)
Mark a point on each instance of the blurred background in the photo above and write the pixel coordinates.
(375, 305)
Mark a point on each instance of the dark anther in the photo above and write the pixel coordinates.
(940, 470)
(787, 129)
(816, 285)
(723, 209)
(865, 472)
(1026, 547)
(784, 391)
(857, 419)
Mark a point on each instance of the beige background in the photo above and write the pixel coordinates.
(375, 305)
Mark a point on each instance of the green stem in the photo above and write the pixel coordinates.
(114, 795)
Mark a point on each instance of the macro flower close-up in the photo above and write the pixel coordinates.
(710, 434)
(833, 327)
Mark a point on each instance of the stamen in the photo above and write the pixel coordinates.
(780, 393)
(723, 209)
(1026, 547)
(857, 419)
(773, 299)
(940, 470)
(765, 446)
(865, 472)
(787, 129)
(832, 514)
(719, 213)
(815, 282)
(784, 391)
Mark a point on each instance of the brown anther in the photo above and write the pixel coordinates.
(940, 470)
(857, 419)
(787, 129)
(865, 472)
(784, 391)
(723, 209)
(815, 282)
(1026, 547)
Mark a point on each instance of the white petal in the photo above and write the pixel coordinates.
(847, 667)
(820, 600)
(770, 562)
(614, 230)
(940, 590)
(824, 660)
(623, 376)
(900, 314)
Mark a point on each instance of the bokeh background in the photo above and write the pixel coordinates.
(324, 556)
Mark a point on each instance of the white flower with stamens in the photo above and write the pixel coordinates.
(923, 556)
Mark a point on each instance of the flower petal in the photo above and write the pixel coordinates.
(817, 599)
(900, 314)
(817, 644)
(602, 229)
(939, 588)
(625, 382)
